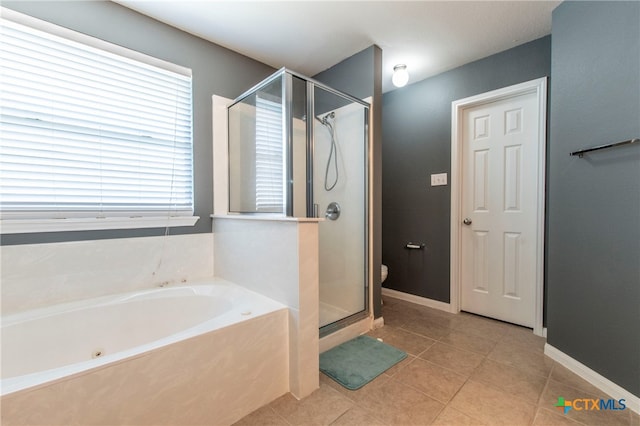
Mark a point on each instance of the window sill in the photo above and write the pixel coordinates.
(30, 226)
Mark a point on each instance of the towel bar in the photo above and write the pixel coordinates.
(611, 145)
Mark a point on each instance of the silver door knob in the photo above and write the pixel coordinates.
(466, 221)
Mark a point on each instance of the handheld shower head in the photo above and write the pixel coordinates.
(333, 150)
(325, 120)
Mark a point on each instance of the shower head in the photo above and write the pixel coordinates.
(325, 119)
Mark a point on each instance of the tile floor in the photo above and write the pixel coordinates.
(461, 370)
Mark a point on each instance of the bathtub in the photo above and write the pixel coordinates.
(204, 353)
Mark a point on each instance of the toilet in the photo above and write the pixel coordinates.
(384, 272)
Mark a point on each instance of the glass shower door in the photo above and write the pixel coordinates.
(340, 194)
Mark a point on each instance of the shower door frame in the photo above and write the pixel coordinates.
(288, 181)
(311, 85)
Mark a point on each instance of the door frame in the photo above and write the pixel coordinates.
(539, 87)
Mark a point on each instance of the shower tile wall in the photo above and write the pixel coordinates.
(341, 250)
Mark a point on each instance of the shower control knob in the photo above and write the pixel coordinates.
(333, 211)
(466, 221)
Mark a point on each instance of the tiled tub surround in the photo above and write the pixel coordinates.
(277, 257)
(207, 353)
(38, 275)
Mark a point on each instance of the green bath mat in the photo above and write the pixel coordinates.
(355, 363)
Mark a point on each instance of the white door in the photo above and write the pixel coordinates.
(499, 208)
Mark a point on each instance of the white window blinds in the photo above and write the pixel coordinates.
(269, 161)
(89, 133)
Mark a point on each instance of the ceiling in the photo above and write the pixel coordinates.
(309, 36)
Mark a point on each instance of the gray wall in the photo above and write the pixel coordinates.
(216, 70)
(416, 143)
(361, 76)
(593, 311)
(354, 75)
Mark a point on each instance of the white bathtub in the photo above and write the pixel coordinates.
(220, 326)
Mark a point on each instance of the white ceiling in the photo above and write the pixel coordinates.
(309, 36)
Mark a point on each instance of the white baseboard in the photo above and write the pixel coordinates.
(424, 301)
(597, 380)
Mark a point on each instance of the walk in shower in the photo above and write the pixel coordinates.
(299, 148)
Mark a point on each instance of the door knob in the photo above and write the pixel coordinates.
(466, 221)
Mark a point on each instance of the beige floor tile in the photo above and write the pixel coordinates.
(264, 416)
(411, 308)
(489, 372)
(525, 337)
(390, 302)
(447, 356)
(546, 417)
(397, 404)
(396, 317)
(399, 366)
(449, 320)
(566, 377)
(469, 342)
(442, 318)
(393, 320)
(411, 343)
(520, 357)
(412, 312)
(352, 395)
(512, 380)
(322, 407)
(451, 417)
(437, 382)
(357, 416)
(410, 392)
(484, 327)
(426, 328)
(492, 406)
(554, 390)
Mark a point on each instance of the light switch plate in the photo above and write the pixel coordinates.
(439, 179)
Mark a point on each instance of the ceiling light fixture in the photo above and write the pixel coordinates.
(400, 75)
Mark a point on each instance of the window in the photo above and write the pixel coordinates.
(90, 132)
(269, 163)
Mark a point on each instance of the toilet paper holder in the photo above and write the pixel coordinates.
(414, 246)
